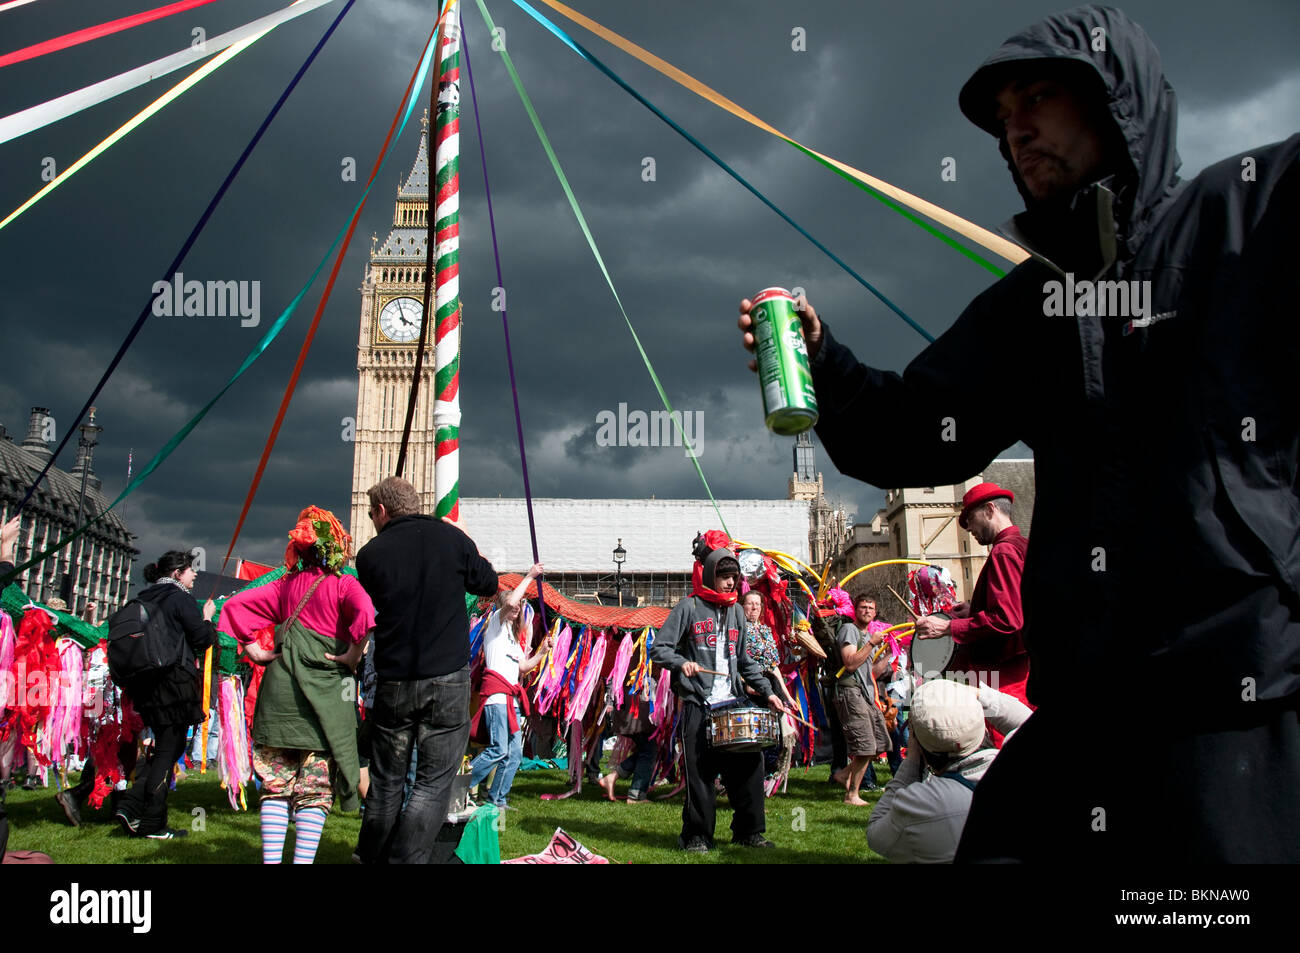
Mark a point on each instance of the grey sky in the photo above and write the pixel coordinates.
(876, 87)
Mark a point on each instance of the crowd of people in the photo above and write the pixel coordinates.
(400, 627)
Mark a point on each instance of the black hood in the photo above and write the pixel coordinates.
(1130, 77)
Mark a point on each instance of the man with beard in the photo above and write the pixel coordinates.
(987, 629)
(1166, 441)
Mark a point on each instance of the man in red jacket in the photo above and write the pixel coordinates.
(987, 630)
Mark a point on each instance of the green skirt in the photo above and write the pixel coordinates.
(309, 703)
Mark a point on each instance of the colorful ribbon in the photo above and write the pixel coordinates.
(168, 448)
(878, 188)
(35, 117)
(292, 384)
(600, 261)
(198, 228)
(594, 61)
(95, 32)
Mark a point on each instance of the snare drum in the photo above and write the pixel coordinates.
(933, 655)
(743, 729)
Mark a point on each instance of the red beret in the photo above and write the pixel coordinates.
(981, 493)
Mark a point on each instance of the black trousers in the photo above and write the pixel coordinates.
(146, 801)
(430, 715)
(742, 773)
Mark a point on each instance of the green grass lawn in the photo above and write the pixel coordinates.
(809, 825)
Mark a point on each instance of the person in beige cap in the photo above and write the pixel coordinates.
(919, 818)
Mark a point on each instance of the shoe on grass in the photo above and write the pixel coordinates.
(168, 833)
(129, 824)
(695, 845)
(70, 809)
(753, 840)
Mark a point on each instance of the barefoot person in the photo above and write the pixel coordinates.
(304, 728)
(865, 733)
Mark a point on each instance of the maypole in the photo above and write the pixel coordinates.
(447, 311)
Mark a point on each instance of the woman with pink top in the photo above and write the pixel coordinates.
(304, 726)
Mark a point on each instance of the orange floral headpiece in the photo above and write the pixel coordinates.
(321, 530)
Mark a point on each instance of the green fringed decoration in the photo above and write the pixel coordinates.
(13, 600)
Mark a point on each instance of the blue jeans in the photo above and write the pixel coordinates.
(214, 739)
(431, 715)
(504, 753)
(639, 765)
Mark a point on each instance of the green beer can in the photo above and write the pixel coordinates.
(789, 402)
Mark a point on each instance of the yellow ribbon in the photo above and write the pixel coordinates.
(207, 700)
(892, 628)
(884, 562)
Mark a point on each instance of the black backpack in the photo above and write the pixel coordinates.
(140, 642)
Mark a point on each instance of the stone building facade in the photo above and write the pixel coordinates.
(827, 524)
(100, 560)
(921, 523)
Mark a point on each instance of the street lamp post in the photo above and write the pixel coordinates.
(86, 445)
(620, 554)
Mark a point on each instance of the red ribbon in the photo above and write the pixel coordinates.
(95, 32)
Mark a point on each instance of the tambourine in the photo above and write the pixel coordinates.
(933, 655)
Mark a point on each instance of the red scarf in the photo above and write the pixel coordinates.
(494, 683)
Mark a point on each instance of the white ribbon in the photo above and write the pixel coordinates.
(29, 120)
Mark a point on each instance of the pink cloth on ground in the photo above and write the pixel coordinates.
(339, 607)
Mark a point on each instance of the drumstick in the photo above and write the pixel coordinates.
(709, 671)
(800, 720)
(900, 599)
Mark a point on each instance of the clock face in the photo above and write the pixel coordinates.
(400, 320)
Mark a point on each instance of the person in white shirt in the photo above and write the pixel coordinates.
(504, 704)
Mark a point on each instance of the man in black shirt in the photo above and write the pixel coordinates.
(417, 572)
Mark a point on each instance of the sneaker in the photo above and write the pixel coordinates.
(753, 840)
(696, 845)
(70, 809)
(129, 824)
(168, 833)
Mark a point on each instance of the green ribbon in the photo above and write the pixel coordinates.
(890, 203)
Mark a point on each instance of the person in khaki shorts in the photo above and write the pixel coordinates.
(865, 734)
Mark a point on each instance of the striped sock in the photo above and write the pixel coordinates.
(308, 824)
(275, 825)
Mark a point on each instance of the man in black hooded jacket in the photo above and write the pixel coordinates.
(1166, 442)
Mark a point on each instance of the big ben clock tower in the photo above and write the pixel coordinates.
(391, 320)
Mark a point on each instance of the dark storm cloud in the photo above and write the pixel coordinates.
(875, 88)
